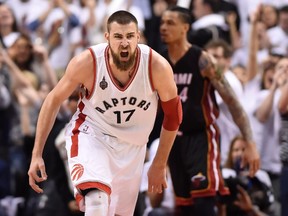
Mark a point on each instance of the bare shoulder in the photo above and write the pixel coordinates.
(162, 76)
(81, 61)
(81, 69)
(160, 66)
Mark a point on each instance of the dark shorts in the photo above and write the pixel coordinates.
(194, 164)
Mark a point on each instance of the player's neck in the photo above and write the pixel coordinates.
(177, 50)
(122, 77)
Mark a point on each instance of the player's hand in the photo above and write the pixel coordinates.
(251, 158)
(156, 179)
(37, 166)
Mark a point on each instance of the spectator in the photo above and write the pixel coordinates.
(267, 112)
(283, 108)
(8, 25)
(208, 24)
(278, 35)
(59, 23)
(269, 15)
(258, 188)
(25, 11)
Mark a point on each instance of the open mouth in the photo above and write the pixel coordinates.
(124, 54)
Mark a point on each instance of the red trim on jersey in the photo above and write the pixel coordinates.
(75, 131)
(212, 192)
(206, 107)
(180, 201)
(210, 114)
(89, 185)
(150, 70)
(203, 193)
(213, 135)
(223, 190)
(134, 69)
(78, 198)
(96, 185)
(218, 160)
(95, 71)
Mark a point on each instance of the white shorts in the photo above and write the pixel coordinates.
(104, 163)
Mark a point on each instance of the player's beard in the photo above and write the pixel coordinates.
(123, 65)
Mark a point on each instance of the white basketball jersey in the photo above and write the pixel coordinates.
(127, 113)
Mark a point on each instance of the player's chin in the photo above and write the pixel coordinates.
(124, 59)
(164, 39)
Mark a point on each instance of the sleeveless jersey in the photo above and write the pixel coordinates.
(196, 92)
(124, 113)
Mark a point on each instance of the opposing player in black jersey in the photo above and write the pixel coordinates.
(195, 158)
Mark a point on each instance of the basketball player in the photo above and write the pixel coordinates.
(194, 160)
(107, 136)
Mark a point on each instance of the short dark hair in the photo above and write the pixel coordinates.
(283, 9)
(184, 14)
(121, 17)
(227, 49)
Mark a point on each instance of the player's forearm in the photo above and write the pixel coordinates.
(239, 115)
(241, 120)
(45, 123)
(166, 142)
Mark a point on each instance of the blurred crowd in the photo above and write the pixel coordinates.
(38, 38)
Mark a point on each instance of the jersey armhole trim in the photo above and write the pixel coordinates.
(94, 68)
(150, 69)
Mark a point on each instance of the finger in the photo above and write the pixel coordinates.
(243, 162)
(43, 172)
(34, 176)
(150, 188)
(240, 189)
(237, 203)
(159, 189)
(253, 168)
(164, 185)
(258, 165)
(34, 186)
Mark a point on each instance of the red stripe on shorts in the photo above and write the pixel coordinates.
(74, 138)
(97, 185)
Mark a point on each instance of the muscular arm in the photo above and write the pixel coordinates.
(164, 84)
(239, 115)
(209, 70)
(71, 79)
(224, 89)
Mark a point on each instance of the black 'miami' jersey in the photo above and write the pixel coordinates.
(196, 93)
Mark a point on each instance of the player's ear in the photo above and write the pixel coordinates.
(138, 36)
(106, 36)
